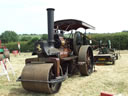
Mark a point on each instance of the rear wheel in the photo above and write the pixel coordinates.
(85, 60)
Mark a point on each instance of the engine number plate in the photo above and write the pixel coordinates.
(101, 59)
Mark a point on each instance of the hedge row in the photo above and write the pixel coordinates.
(24, 46)
(118, 40)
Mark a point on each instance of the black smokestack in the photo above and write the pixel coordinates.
(50, 14)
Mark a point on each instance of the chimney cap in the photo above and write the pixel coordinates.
(50, 9)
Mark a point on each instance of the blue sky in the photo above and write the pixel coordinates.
(30, 16)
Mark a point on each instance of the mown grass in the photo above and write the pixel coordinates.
(111, 79)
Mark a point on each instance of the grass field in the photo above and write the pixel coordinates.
(109, 78)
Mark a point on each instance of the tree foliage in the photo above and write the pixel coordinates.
(25, 38)
(44, 37)
(9, 36)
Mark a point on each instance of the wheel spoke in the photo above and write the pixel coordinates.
(88, 60)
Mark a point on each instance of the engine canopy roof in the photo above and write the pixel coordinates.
(71, 24)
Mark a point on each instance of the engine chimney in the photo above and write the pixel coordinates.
(50, 14)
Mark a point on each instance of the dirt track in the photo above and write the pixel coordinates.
(111, 79)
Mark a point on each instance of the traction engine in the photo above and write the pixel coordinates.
(61, 56)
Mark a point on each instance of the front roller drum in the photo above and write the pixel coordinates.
(35, 78)
(85, 60)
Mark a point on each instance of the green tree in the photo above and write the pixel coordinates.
(9, 36)
(26, 38)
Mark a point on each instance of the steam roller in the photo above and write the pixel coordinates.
(58, 57)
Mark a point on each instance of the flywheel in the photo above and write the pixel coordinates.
(85, 60)
(37, 77)
(77, 42)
